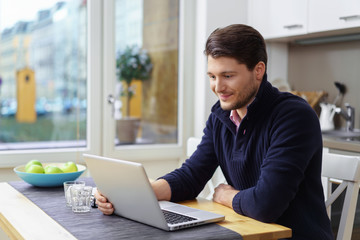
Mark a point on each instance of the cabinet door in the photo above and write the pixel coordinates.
(259, 16)
(325, 15)
(278, 18)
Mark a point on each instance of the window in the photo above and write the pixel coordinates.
(43, 74)
(68, 54)
(146, 92)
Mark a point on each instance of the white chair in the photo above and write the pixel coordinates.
(346, 171)
(216, 179)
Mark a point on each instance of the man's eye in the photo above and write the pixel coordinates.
(227, 76)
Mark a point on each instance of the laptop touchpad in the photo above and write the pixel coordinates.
(180, 209)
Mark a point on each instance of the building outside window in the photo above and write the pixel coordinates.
(43, 67)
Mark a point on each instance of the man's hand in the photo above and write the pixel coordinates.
(224, 194)
(162, 190)
(103, 204)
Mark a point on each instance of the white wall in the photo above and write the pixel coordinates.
(211, 14)
(277, 67)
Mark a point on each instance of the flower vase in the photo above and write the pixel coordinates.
(127, 129)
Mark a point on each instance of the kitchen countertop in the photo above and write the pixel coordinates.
(353, 146)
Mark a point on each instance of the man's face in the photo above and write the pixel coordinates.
(232, 82)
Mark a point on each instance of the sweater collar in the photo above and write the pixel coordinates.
(263, 100)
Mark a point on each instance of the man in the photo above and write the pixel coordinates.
(267, 143)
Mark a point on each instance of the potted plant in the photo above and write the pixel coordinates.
(132, 63)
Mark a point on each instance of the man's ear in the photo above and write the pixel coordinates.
(260, 70)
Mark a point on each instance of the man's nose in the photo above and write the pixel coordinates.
(219, 85)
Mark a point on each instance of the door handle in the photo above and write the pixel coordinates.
(292, 26)
(110, 99)
(116, 106)
(351, 17)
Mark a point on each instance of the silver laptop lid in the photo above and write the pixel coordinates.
(127, 187)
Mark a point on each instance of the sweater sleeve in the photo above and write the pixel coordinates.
(295, 140)
(188, 181)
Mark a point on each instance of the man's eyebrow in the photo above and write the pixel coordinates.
(225, 72)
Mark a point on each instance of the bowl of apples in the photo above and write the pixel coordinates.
(49, 174)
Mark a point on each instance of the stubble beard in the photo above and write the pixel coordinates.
(243, 100)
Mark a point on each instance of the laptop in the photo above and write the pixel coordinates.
(127, 187)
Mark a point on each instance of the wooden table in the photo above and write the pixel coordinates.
(250, 229)
(22, 219)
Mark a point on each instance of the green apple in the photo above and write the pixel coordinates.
(69, 167)
(35, 169)
(52, 169)
(32, 162)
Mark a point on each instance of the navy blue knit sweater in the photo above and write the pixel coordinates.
(274, 160)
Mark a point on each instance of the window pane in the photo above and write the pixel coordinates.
(147, 33)
(43, 72)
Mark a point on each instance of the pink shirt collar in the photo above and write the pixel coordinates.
(235, 118)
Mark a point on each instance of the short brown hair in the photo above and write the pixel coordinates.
(238, 41)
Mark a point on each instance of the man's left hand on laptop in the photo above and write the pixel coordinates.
(103, 204)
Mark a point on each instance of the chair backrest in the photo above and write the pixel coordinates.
(341, 167)
(218, 176)
(346, 171)
(192, 143)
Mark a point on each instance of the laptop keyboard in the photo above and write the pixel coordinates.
(174, 218)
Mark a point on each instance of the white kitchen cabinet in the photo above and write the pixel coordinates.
(279, 18)
(326, 15)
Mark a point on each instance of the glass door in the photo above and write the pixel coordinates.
(143, 100)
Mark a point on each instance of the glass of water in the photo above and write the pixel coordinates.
(81, 198)
(67, 186)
